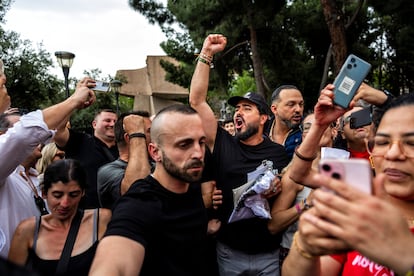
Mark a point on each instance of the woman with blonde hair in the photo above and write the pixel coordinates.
(50, 153)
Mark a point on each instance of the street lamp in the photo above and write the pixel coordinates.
(65, 60)
(115, 87)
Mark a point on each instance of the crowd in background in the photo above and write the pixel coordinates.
(178, 194)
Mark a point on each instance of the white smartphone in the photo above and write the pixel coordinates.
(350, 77)
(102, 86)
(357, 172)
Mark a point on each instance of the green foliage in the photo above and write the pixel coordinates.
(82, 119)
(242, 84)
(28, 81)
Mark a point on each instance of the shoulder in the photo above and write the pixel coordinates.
(25, 229)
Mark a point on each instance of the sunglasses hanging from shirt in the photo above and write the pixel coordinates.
(40, 203)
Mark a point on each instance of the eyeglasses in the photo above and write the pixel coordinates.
(379, 146)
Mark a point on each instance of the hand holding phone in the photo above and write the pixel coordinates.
(356, 172)
(350, 77)
(102, 86)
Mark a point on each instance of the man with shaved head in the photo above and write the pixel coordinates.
(159, 227)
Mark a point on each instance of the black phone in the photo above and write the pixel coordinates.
(360, 118)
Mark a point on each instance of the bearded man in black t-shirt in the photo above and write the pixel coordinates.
(159, 226)
(245, 247)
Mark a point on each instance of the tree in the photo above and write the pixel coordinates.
(28, 81)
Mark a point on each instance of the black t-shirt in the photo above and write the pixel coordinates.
(172, 227)
(232, 162)
(92, 153)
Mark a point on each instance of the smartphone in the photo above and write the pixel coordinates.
(356, 172)
(360, 118)
(350, 77)
(102, 86)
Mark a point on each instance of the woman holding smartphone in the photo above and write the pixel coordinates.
(63, 242)
(373, 231)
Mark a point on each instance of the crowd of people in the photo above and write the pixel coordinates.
(182, 193)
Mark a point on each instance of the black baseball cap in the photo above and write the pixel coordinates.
(253, 97)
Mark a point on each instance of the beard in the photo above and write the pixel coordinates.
(289, 124)
(249, 132)
(181, 173)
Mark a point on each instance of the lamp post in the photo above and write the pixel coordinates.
(115, 86)
(65, 60)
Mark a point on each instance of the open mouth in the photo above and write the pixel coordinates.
(238, 122)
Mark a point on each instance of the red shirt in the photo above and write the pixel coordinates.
(358, 154)
(355, 264)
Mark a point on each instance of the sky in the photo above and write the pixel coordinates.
(103, 34)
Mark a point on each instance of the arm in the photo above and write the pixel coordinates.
(138, 164)
(370, 95)
(212, 196)
(20, 244)
(199, 86)
(303, 261)
(283, 214)
(57, 116)
(325, 113)
(117, 255)
(104, 218)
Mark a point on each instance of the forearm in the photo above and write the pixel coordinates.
(199, 85)
(138, 164)
(298, 263)
(55, 115)
(301, 170)
(282, 220)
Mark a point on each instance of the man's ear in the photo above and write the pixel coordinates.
(273, 107)
(154, 152)
(94, 124)
(263, 118)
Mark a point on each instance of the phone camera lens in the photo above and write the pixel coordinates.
(336, 176)
(349, 66)
(326, 167)
(352, 60)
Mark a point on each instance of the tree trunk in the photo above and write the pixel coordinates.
(336, 25)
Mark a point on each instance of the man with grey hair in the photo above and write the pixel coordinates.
(287, 108)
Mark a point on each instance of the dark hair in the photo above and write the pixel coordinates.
(5, 123)
(158, 122)
(64, 170)
(400, 101)
(103, 110)
(177, 108)
(119, 125)
(276, 93)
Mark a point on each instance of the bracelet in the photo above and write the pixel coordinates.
(203, 60)
(411, 272)
(301, 157)
(301, 251)
(205, 56)
(136, 135)
(298, 209)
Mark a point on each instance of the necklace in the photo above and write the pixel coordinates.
(40, 204)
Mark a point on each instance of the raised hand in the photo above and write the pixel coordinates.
(214, 43)
(325, 110)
